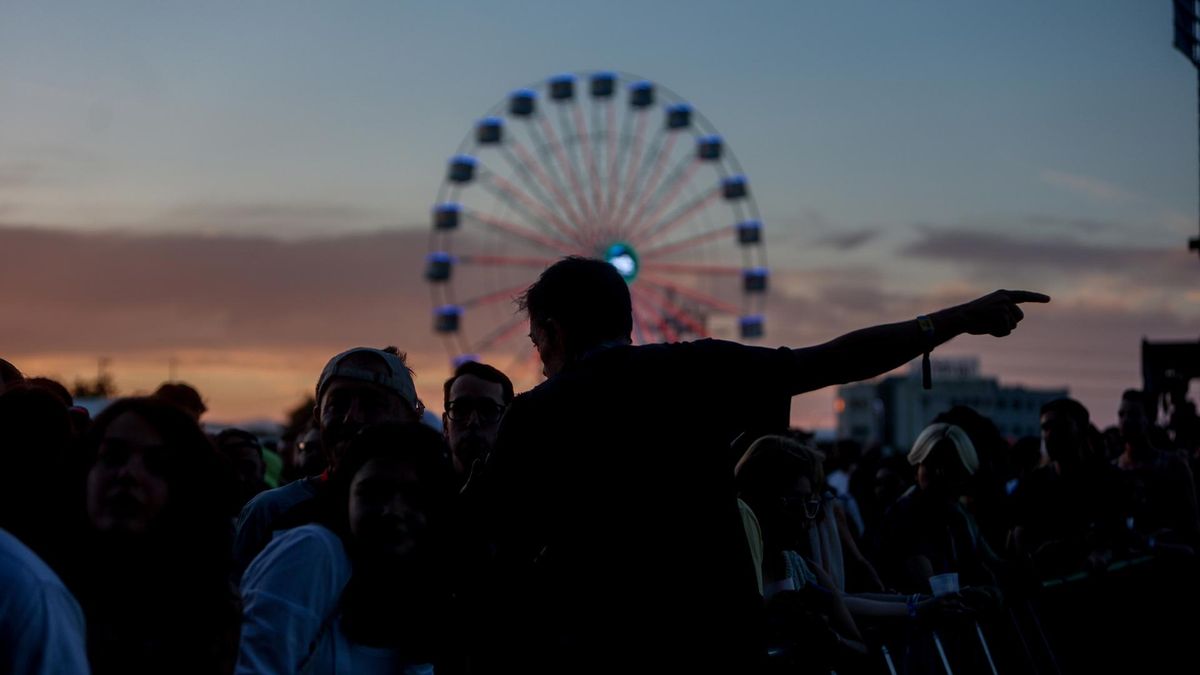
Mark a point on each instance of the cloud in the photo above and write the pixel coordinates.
(18, 174)
(1085, 185)
(848, 241)
(296, 220)
(69, 291)
(251, 319)
(1083, 225)
(985, 254)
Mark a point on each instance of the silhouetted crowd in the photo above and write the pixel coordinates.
(645, 509)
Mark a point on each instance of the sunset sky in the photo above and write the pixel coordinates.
(245, 187)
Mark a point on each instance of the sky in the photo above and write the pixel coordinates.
(243, 189)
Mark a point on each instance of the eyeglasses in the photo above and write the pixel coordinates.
(811, 506)
(487, 410)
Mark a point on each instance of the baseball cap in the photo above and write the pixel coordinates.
(397, 379)
(935, 434)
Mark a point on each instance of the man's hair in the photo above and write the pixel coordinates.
(1070, 408)
(233, 437)
(403, 356)
(1134, 396)
(9, 373)
(484, 372)
(54, 387)
(198, 480)
(773, 462)
(181, 395)
(588, 298)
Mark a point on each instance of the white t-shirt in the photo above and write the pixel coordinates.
(42, 631)
(290, 596)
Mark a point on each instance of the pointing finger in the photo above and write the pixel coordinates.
(1027, 296)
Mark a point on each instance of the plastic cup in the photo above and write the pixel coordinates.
(943, 584)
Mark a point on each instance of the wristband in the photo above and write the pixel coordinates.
(926, 325)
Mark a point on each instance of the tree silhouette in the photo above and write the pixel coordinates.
(102, 386)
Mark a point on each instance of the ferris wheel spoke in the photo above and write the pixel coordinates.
(690, 294)
(521, 203)
(506, 260)
(663, 250)
(493, 297)
(648, 188)
(560, 197)
(671, 188)
(571, 143)
(519, 231)
(545, 154)
(658, 318)
(557, 148)
(634, 161)
(677, 313)
(682, 215)
(615, 161)
(634, 179)
(641, 318)
(589, 157)
(535, 187)
(691, 268)
(500, 334)
(596, 136)
(609, 172)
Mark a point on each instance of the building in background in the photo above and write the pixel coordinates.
(895, 409)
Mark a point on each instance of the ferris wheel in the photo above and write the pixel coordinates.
(602, 165)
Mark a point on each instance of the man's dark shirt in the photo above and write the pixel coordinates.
(1079, 513)
(618, 540)
(1161, 496)
(924, 525)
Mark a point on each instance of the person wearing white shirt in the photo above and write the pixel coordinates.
(364, 589)
(41, 625)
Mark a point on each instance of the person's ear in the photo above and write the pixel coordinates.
(554, 335)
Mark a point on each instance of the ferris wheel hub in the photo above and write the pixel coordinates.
(623, 257)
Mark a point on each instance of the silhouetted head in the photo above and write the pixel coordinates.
(308, 456)
(575, 305)
(154, 471)
(359, 388)
(391, 493)
(37, 451)
(55, 388)
(782, 480)
(244, 452)
(1131, 416)
(945, 459)
(1025, 455)
(474, 399)
(1065, 423)
(183, 396)
(9, 375)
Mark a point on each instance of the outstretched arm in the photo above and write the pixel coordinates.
(873, 351)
